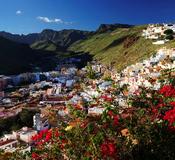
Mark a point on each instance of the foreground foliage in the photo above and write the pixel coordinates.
(145, 130)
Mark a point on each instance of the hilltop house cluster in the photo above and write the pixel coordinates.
(156, 32)
(71, 87)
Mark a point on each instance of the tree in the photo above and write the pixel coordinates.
(169, 32)
(6, 124)
(170, 37)
(90, 72)
(26, 117)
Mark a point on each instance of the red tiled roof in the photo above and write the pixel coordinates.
(6, 142)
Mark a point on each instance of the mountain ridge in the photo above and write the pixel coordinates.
(63, 38)
(117, 45)
(111, 27)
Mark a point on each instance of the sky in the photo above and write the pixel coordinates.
(30, 16)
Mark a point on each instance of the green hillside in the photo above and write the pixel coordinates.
(119, 48)
(60, 52)
(44, 45)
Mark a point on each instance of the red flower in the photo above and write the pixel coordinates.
(35, 156)
(40, 143)
(104, 149)
(105, 125)
(84, 124)
(64, 141)
(107, 98)
(108, 149)
(167, 91)
(156, 113)
(41, 135)
(154, 110)
(116, 120)
(112, 149)
(114, 117)
(170, 117)
(172, 104)
(110, 113)
(34, 138)
(161, 105)
(48, 136)
(56, 134)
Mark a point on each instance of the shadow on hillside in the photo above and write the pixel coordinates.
(115, 43)
(46, 60)
(85, 58)
(22, 58)
(79, 59)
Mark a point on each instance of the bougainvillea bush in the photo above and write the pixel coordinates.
(143, 131)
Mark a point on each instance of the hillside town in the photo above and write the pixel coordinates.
(87, 89)
(87, 80)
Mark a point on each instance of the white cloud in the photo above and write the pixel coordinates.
(18, 12)
(55, 20)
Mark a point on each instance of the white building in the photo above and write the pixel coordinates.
(39, 124)
(25, 134)
(8, 144)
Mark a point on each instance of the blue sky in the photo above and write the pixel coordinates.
(27, 16)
